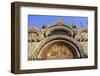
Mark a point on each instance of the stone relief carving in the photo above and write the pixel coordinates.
(37, 36)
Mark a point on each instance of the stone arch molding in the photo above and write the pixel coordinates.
(60, 38)
(59, 28)
(57, 33)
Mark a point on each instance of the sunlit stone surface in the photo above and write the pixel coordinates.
(58, 41)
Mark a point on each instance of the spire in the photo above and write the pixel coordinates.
(35, 26)
(59, 19)
(81, 25)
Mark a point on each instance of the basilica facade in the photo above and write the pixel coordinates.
(57, 41)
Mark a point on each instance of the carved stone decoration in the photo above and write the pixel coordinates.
(82, 38)
(63, 42)
(59, 41)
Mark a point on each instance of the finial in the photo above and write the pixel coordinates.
(34, 25)
(81, 24)
(59, 20)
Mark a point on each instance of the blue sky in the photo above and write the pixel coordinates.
(39, 20)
